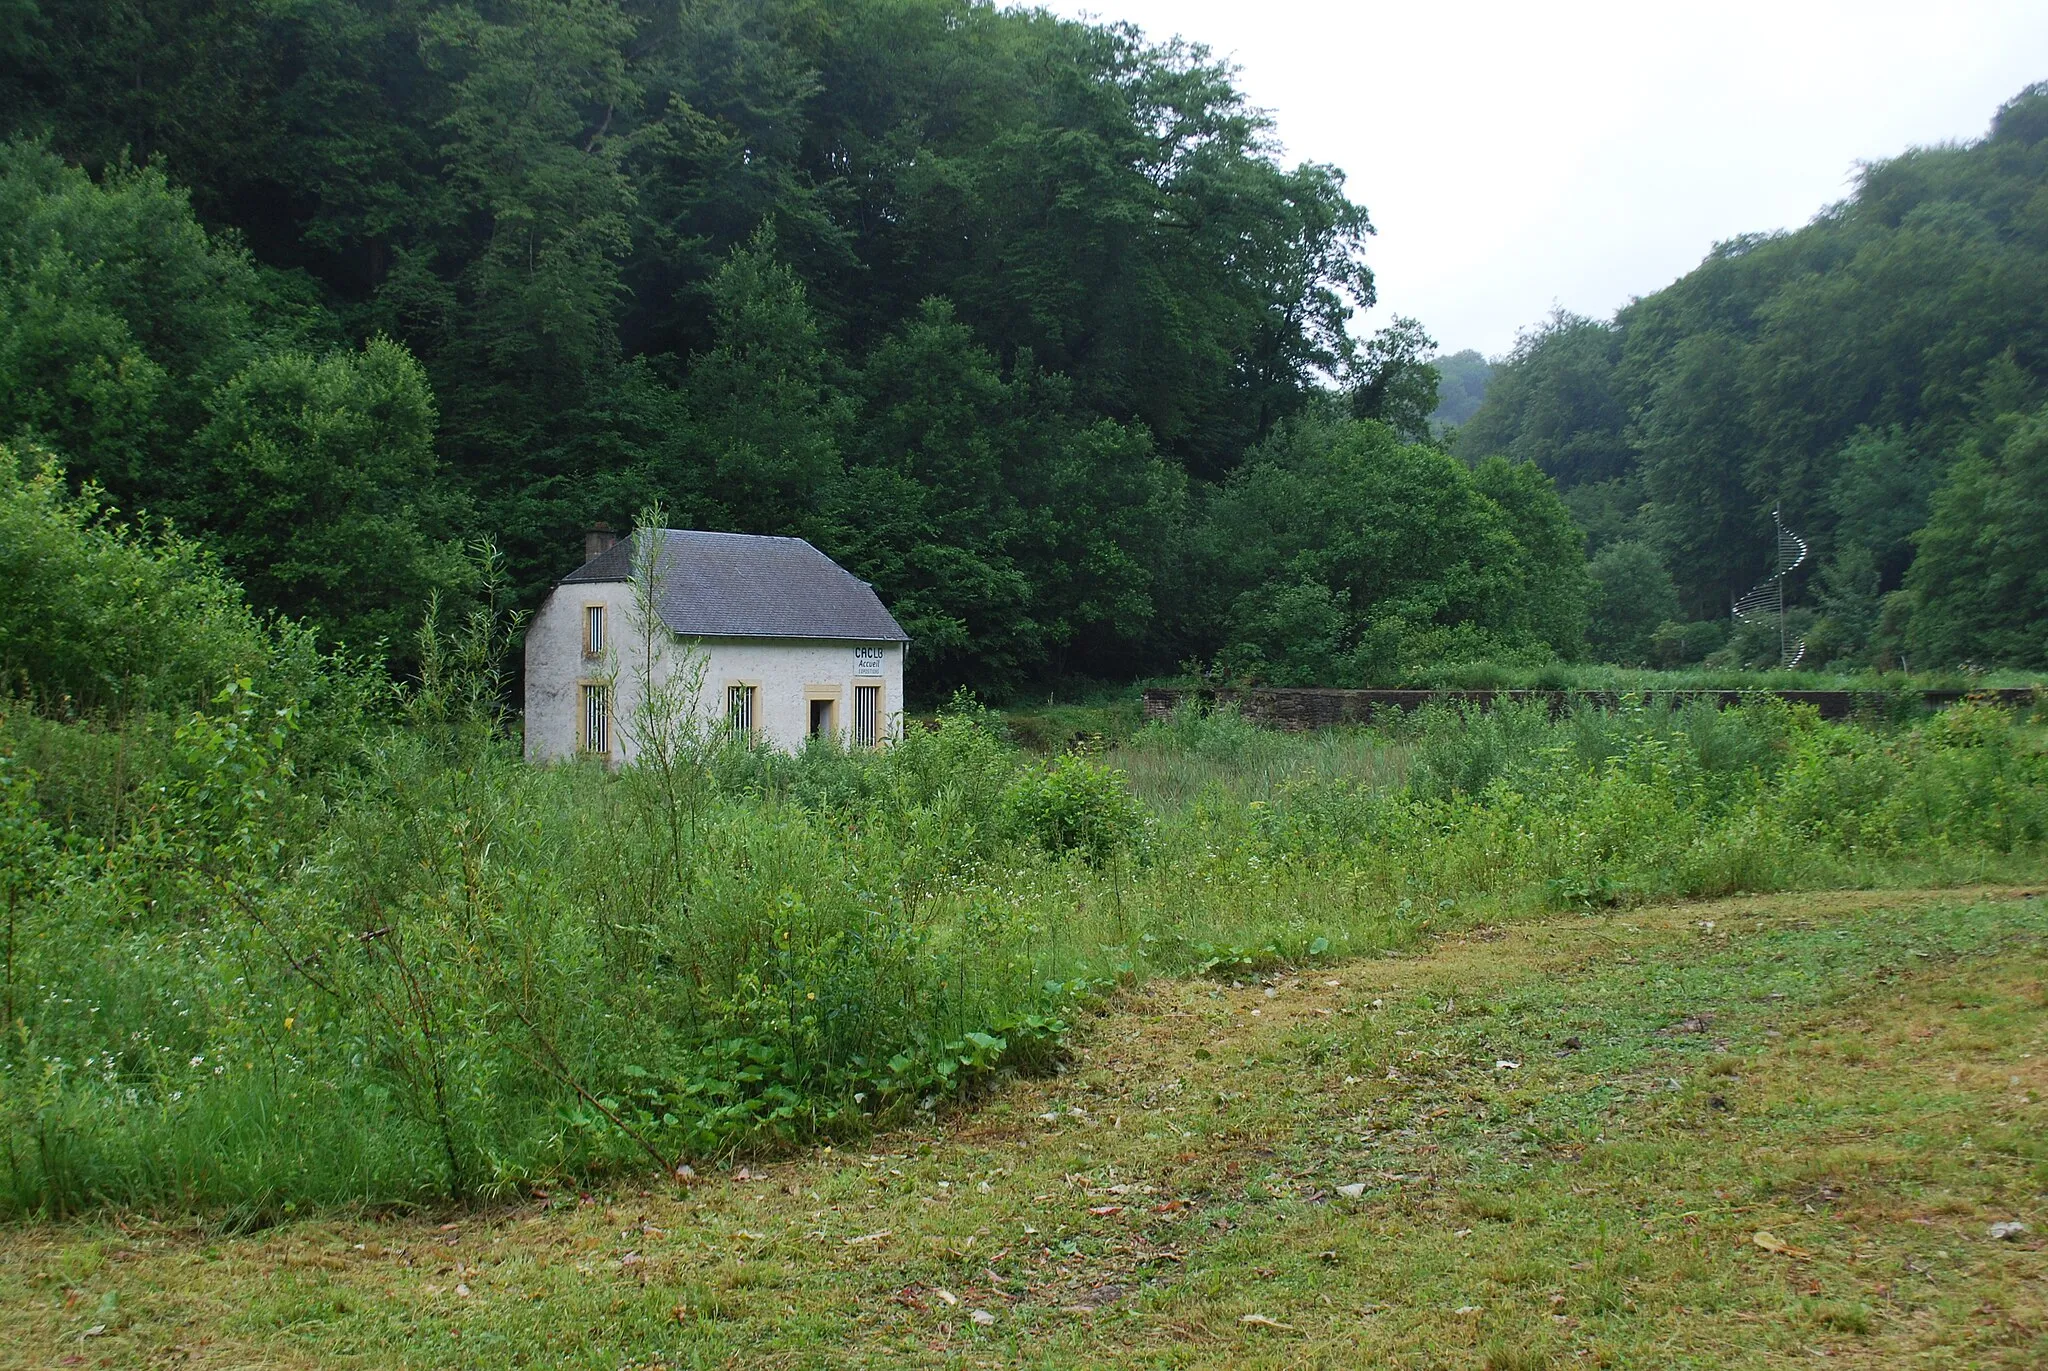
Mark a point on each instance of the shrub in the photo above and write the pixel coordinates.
(1460, 750)
(444, 973)
(1078, 805)
(1674, 644)
(1220, 735)
(95, 616)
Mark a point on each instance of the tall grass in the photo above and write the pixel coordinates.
(1219, 756)
(1585, 677)
(439, 973)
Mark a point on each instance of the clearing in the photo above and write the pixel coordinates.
(1751, 1132)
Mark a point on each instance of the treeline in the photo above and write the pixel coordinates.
(1880, 375)
(990, 305)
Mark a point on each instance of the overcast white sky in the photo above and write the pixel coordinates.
(1519, 155)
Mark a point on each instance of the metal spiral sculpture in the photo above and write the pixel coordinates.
(1768, 598)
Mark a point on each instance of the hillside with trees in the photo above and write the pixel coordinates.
(1024, 320)
(1879, 375)
(998, 309)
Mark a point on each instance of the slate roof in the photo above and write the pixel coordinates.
(743, 585)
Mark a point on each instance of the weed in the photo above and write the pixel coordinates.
(1506, 1356)
(1840, 1317)
(263, 981)
(1488, 1207)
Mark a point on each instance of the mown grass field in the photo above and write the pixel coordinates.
(1752, 1132)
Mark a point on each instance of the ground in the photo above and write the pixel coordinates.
(1756, 1132)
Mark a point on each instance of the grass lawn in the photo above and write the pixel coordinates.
(1755, 1132)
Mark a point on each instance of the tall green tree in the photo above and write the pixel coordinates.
(1396, 383)
(1632, 597)
(765, 418)
(326, 497)
(534, 88)
(118, 316)
(1556, 401)
(1979, 587)
(1341, 555)
(1001, 527)
(1702, 515)
(1551, 603)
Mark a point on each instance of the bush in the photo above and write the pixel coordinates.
(1215, 735)
(445, 973)
(98, 617)
(1633, 597)
(1463, 751)
(1077, 805)
(1675, 644)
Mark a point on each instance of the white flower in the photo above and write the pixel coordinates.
(198, 1061)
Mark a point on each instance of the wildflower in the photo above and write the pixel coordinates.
(198, 1061)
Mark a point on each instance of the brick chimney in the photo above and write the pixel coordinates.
(597, 540)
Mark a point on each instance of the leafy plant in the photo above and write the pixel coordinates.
(1078, 805)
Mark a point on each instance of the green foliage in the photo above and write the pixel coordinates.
(460, 975)
(767, 426)
(1845, 372)
(1078, 805)
(1550, 602)
(1633, 596)
(325, 498)
(1959, 781)
(1557, 402)
(540, 288)
(1002, 527)
(27, 852)
(158, 361)
(1979, 587)
(1675, 644)
(1462, 380)
(96, 616)
(969, 297)
(1341, 556)
(118, 316)
(1396, 383)
(1880, 496)
(1850, 629)
(1023, 319)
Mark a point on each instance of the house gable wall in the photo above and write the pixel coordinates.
(787, 673)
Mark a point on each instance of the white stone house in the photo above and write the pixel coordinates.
(789, 643)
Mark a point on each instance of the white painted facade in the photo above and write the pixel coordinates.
(787, 675)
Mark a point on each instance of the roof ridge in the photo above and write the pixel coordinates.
(720, 584)
(728, 533)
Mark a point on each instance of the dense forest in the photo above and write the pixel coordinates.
(1024, 320)
(1879, 375)
(992, 306)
